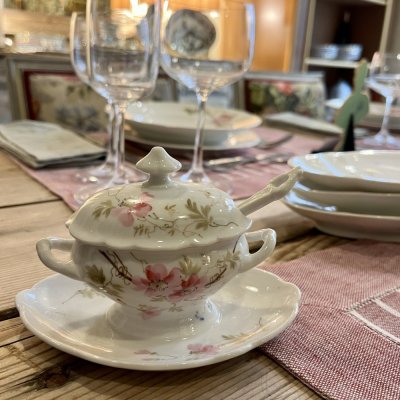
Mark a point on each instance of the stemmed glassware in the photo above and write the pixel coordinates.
(206, 46)
(78, 40)
(384, 78)
(122, 64)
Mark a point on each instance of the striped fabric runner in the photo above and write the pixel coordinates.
(345, 342)
(63, 182)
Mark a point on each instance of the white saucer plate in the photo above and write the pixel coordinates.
(346, 224)
(354, 202)
(254, 307)
(365, 170)
(234, 141)
(177, 121)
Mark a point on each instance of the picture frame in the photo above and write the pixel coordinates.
(19, 69)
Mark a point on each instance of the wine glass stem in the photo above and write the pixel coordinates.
(197, 164)
(388, 106)
(110, 157)
(118, 142)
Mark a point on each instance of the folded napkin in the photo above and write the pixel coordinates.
(41, 144)
(345, 341)
(289, 119)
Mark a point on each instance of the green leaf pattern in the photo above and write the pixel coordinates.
(104, 209)
(198, 220)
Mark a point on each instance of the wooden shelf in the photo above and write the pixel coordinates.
(20, 21)
(360, 2)
(322, 62)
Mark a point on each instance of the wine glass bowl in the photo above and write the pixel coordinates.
(205, 48)
(384, 78)
(78, 49)
(122, 56)
(122, 66)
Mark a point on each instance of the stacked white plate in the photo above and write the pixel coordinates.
(173, 125)
(351, 194)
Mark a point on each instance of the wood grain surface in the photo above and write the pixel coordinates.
(17, 187)
(30, 369)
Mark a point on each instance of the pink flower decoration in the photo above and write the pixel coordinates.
(145, 197)
(141, 209)
(158, 281)
(190, 289)
(124, 215)
(150, 313)
(284, 87)
(202, 349)
(223, 119)
(145, 351)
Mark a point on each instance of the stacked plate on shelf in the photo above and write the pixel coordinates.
(173, 126)
(351, 194)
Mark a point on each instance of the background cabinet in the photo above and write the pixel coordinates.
(369, 25)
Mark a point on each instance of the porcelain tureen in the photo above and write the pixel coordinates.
(161, 248)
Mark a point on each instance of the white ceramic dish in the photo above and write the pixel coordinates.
(371, 203)
(366, 170)
(233, 141)
(350, 225)
(254, 307)
(176, 122)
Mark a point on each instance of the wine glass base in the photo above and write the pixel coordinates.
(127, 175)
(219, 182)
(105, 172)
(93, 175)
(382, 141)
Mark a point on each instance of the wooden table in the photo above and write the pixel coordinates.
(30, 369)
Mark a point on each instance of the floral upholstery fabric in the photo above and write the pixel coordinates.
(268, 96)
(65, 100)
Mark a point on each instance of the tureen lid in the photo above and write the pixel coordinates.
(159, 213)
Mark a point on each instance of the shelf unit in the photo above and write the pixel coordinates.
(369, 25)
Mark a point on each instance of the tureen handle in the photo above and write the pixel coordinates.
(250, 260)
(44, 249)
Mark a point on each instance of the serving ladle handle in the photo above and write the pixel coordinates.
(276, 189)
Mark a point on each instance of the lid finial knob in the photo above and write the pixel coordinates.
(158, 164)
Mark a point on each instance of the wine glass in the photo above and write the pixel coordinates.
(206, 46)
(384, 78)
(122, 64)
(77, 41)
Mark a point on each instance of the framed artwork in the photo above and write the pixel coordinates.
(44, 87)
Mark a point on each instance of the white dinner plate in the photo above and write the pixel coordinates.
(176, 122)
(365, 170)
(350, 225)
(254, 307)
(234, 141)
(354, 202)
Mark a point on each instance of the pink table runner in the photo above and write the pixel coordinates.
(344, 343)
(63, 182)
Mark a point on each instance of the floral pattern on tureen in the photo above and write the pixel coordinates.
(164, 286)
(146, 219)
(158, 214)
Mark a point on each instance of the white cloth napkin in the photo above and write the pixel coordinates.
(41, 144)
(289, 119)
